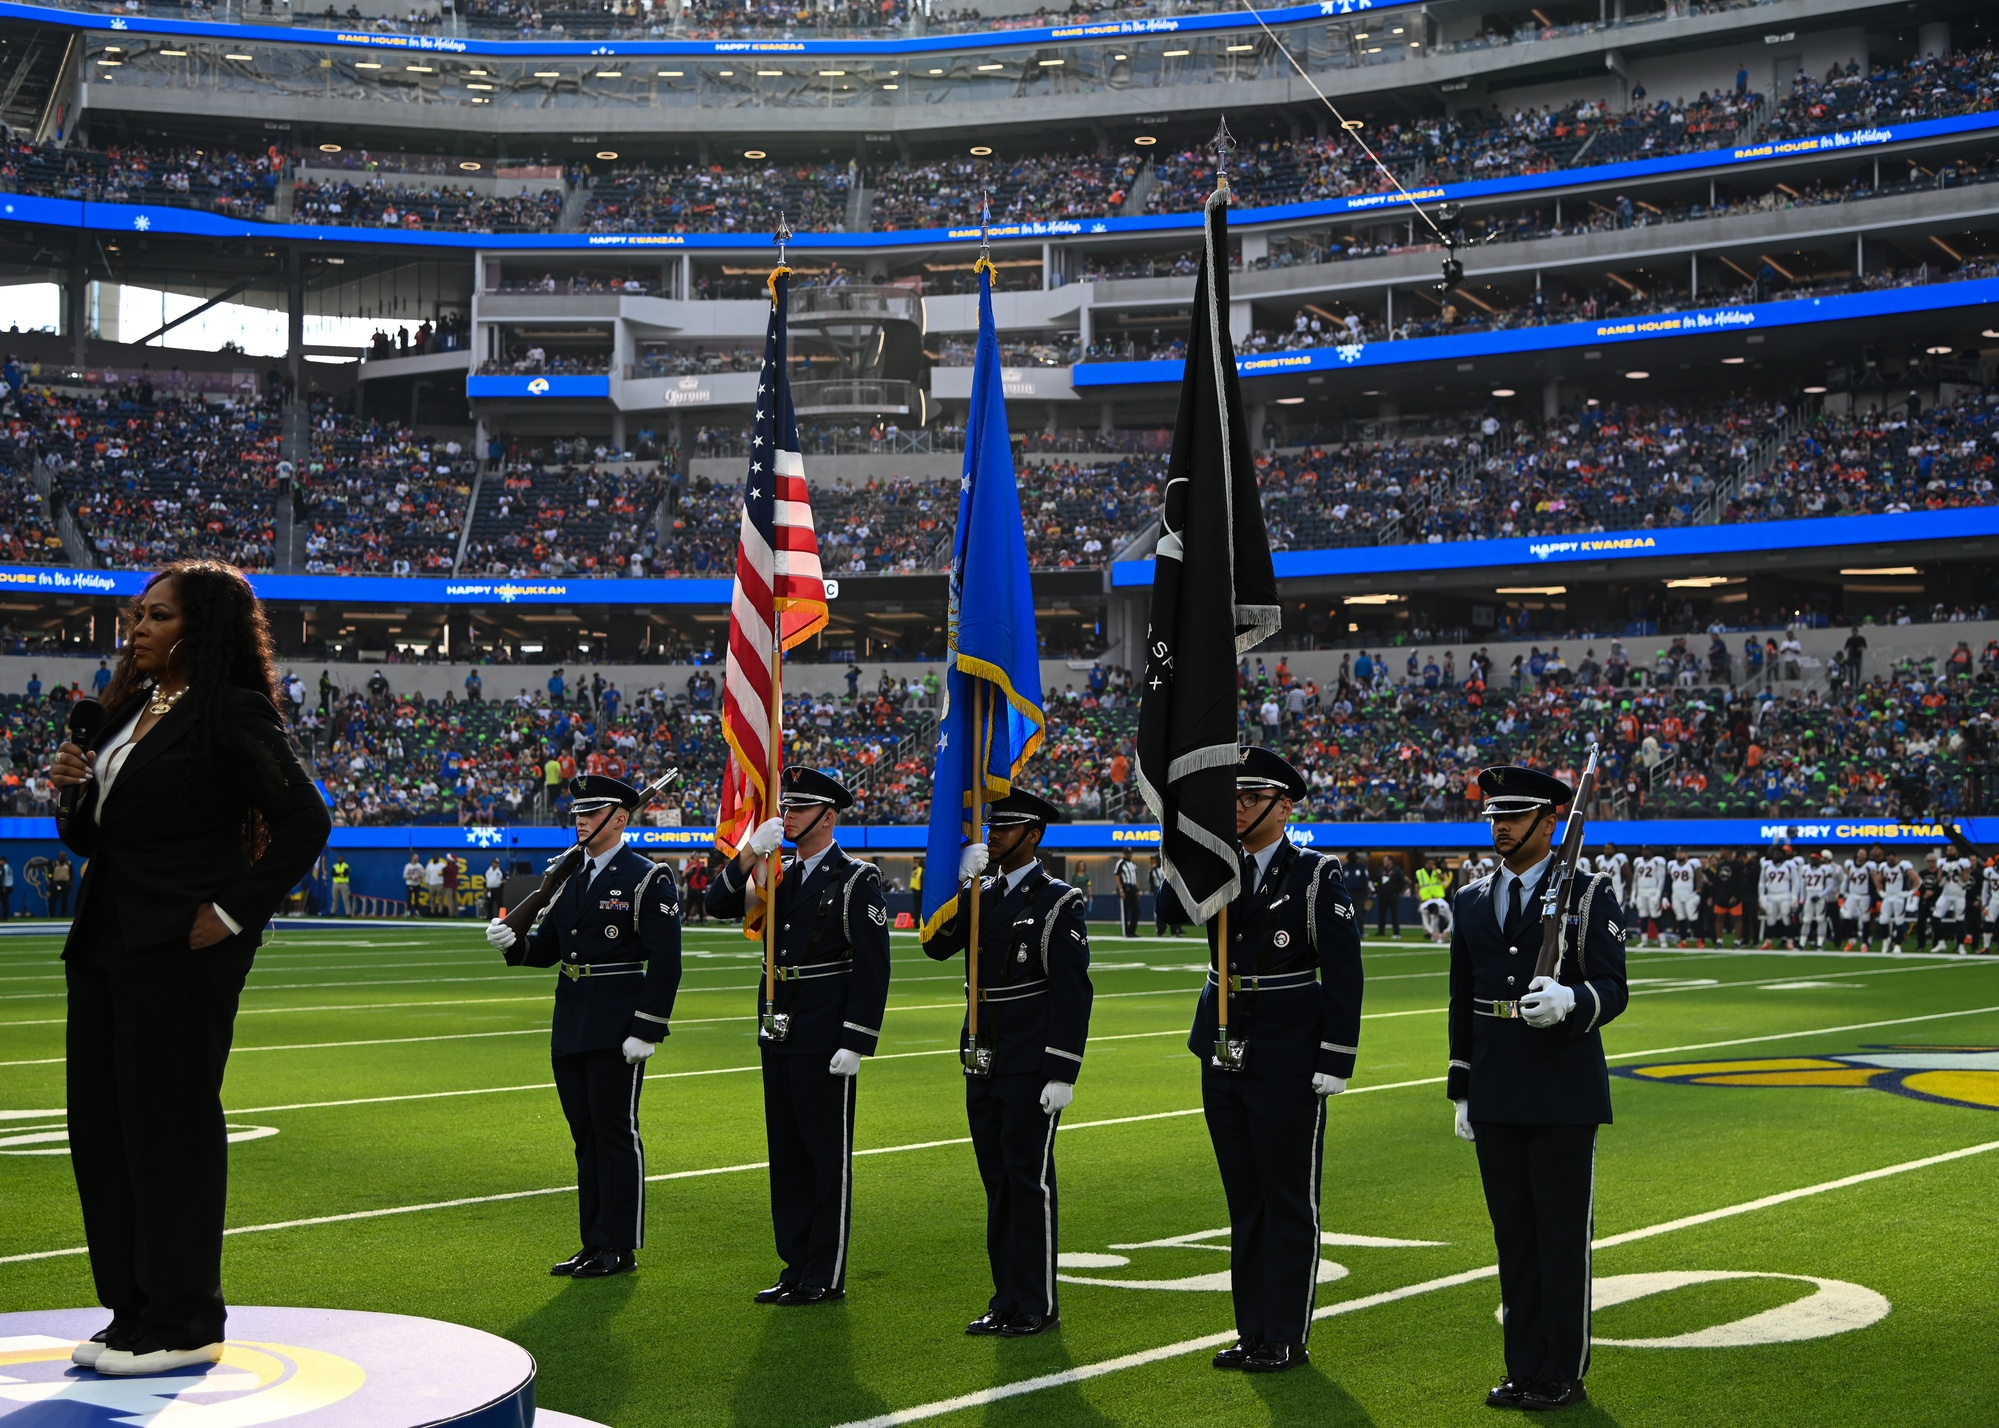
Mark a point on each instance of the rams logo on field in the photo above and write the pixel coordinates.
(1947, 1075)
(255, 1383)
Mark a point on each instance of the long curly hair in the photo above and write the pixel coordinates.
(226, 643)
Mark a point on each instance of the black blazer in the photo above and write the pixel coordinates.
(155, 854)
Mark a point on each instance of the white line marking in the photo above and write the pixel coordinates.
(981, 1398)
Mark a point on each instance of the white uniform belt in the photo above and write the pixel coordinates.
(1013, 992)
(573, 970)
(816, 969)
(1274, 982)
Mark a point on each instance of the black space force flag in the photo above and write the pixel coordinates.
(1213, 597)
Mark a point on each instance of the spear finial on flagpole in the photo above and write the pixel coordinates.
(1224, 147)
(782, 236)
(985, 263)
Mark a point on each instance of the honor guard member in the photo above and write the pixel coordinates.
(614, 931)
(1294, 1029)
(832, 985)
(1126, 873)
(1034, 1015)
(1528, 1081)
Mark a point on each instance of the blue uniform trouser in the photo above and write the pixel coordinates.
(1015, 1143)
(1269, 1135)
(809, 1129)
(600, 1100)
(1540, 1188)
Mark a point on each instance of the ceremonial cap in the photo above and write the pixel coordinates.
(1020, 806)
(808, 788)
(1510, 789)
(1258, 767)
(590, 792)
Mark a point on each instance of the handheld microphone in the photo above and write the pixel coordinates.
(86, 717)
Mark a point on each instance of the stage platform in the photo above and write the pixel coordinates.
(302, 1368)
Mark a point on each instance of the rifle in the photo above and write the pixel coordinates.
(1555, 887)
(559, 872)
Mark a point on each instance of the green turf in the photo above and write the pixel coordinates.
(361, 1127)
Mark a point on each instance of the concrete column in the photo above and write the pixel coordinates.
(1258, 415)
(1107, 417)
(295, 317)
(686, 292)
(76, 304)
(1255, 246)
(1241, 319)
(1933, 38)
(1551, 399)
(617, 429)
(1694, 277)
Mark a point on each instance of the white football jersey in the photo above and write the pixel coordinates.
(1956, 871)
(1820, 878)
(1775, 880)
(1650, 874)
(1682, 875)
(1897, 876)
(1618, 866)
(1990, 880)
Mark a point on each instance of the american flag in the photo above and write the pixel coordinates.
(777, 579)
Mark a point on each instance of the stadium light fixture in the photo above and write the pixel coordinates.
(1051, 64)
(1240, 49)
(1290, 401)
(478, 86)
(726, 73)
(1374, 599)
(480, 72)
(1637, 376)
(671, 73)
(755, 154)
(1502, 391)
(420, 68)
(1988, 332)
(1880, 570)
(1119, 57)
(936, 71)
(470, 165)
(110, 64)
(548, 74)
(1175, 54)
(992, 66)
(366, 64)
(980, 151)
(239, 57)
(1937, 351)
(175, 54)
(832, 73)
(329, 148)
(1733, 361)
(1815, 391)
(887, 86)
(610, 74)
(1145, 140)
(1699, 582)
(770, 74)
(607, 154)
(114, 49)
(1530, 590)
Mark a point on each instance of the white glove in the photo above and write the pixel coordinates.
(768, 838)
(972, 861)
(1324, 1085)
(1056, 1095)
(637, 1051)
(845, 1062)
(1464, 1120)
(499, 936)
(1547, 1002)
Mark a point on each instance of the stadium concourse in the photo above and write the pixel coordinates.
(1612, 377)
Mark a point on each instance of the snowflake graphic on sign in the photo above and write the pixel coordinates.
(142, 223)
(480, 837)
(1350, 351)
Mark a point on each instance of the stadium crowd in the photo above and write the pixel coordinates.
(378, 499)
(380, 204)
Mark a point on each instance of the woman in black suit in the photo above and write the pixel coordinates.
(197, 819)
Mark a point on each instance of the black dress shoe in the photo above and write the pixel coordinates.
(773, 1295)
(1275, 1358)
(1545, 1396)
(605, 1263)
(801, 1295)
(1234, 1356)
(573, 1263)
(1026, 1326)
(1507, 1395)
(990, 1322)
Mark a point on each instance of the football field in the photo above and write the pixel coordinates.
(1797, 1211)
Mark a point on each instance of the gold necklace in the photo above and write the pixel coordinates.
(162, 702)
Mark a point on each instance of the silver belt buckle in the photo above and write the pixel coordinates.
(1506, 1009)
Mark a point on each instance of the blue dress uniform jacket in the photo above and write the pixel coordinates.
(1034, 983)
(1034, 972)
(833, 921)
(1295, 944)
(1299, 928)
(832, 957)
(1512, 1071)
(1536, 1098)
(620, 962)
(616, 938)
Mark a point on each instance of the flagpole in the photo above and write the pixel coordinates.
(774, 743)
(972, 910)
(1224, 1056)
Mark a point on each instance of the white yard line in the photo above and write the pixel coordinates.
(1072, 1126)
(984, 1397)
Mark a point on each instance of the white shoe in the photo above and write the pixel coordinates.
(123, 1363)
(87, 1353)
